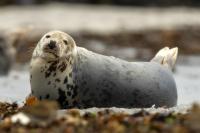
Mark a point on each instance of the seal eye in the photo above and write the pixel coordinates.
(65, 41)
(48, 36)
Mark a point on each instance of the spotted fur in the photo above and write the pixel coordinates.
(51, 69)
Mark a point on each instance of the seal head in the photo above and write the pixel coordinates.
(55, 45)
(51, 68)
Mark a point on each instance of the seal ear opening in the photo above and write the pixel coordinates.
(166, 57)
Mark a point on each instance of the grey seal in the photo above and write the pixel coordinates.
(77, 77)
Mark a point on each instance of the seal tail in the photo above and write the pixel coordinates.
(166, 57)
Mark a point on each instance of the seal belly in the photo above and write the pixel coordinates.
(41, 87)
(111, 82)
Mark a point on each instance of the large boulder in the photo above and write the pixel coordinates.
(7, 53)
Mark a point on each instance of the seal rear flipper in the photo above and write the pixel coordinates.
(166, 57)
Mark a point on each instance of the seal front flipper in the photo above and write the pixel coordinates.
(166, 57)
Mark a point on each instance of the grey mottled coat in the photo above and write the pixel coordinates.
(104, 81)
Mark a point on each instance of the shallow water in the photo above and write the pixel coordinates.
(15, 86)
(188, 84)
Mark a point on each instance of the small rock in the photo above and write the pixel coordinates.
(41, 113)
(20, 118)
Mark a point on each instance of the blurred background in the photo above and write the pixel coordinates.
(129, 29)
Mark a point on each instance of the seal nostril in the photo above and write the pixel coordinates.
(52, 44)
